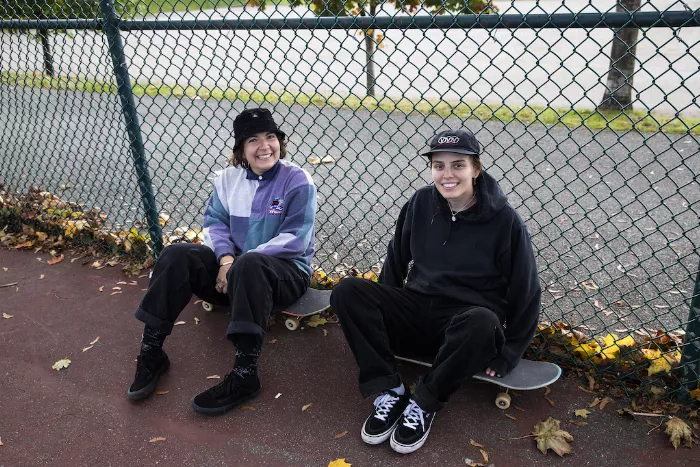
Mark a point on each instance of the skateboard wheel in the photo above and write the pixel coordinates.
(207, 306)
(503, 401)
(292, 324)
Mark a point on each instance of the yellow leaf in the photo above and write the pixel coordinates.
(6, 316)
(306, 407)
(41, 277)
(61, 364)
(247, 407)
(94, 341)
(550, 436)
(1, 442)
(679, 431)
(41, 236)
(328, 160)
(101, 288)
(55, 260)
(695, 394)
(87, 348)
(315, 160)
(587, 350)
(338, 463)
(341, 434)
(316, 320)
(179, 323)
(161, 393)
(155, 440)
(658, 364)
(627, 342)
(611, 350)
(196, 320)
(583, 413)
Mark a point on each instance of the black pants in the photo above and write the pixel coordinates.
(256, 283)
(380, 321)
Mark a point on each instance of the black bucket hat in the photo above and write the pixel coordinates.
(252, 121)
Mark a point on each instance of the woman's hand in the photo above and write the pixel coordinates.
(490, 372)
(222, 277)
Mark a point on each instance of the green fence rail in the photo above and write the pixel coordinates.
(115, 119)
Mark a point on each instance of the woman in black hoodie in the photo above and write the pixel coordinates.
(459, 284)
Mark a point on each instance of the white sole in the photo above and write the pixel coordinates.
(409, 448)
(377, 439)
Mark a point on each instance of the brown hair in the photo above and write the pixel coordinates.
(238, 159)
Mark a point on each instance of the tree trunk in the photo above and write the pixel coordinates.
(369, 53)
(48, 56)
(620, 82)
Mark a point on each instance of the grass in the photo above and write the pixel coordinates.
(643, 122)
(156, 7)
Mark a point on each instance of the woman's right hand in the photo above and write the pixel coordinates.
(222, 277)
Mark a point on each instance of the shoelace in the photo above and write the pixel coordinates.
(224, 387)
(413, 415)
(384, 404)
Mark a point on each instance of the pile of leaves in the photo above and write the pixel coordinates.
(41, 221)
(644, 365)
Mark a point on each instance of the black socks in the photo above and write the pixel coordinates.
(245, 368)
(152, 342)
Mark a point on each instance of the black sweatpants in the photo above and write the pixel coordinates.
(256, 283)
(380, 321)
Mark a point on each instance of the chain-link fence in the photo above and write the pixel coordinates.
(120, 116)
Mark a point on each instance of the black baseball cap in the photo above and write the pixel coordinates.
(459, 141)
(252, 121)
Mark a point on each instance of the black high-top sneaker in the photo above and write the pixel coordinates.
(412, 430)
(149, 368)
(388, 408)
(226, 395)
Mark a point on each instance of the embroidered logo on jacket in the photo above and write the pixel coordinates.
(276, 206)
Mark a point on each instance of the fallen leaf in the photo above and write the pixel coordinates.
(550, 436)
(272, 341)
(475, 444)
(6, 316)
(247, 407)
(117, 292)
(695, 394)
(583, 413)
(88, 348)
(278, 395)
(511, 417)
(41, 277)
(41, 236)
(604, 402)
(1, 442)
(161, 393)
(214, 377)
(659, 363)
(679, 431)
(55, 260)
(328, 160)
(121, 283)
(485, 455)
(196, 320)
(518, 408)
(179, 323)
(94, 341)
(314, 160)
(578, 423)
(341, 434)
(5, 269)
(325, 332)
(306, 406)
(316, 320)
(338, 462)
(116, 288)
(61, 364)
(101, 288)
(155, 440)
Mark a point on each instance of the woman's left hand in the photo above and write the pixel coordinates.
(222, 279)
(490, 372)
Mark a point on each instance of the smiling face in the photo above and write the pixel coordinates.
(454, 175)
(261, 151)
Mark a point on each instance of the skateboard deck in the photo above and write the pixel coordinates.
(527, 375)
(313, 302)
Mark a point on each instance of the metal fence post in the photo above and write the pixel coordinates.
(690, 362)
(110, 27)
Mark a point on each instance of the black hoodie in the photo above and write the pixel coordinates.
(484, 258)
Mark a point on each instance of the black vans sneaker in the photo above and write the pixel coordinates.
(224, 396)
(149, 369)
(412, 430)
(386, 414)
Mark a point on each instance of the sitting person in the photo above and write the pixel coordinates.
(259, 242)
(459, 268)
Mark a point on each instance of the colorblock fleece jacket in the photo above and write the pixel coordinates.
(484, 258)
(272, 214)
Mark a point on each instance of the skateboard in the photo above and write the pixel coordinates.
(313, 302)
(527, 375)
